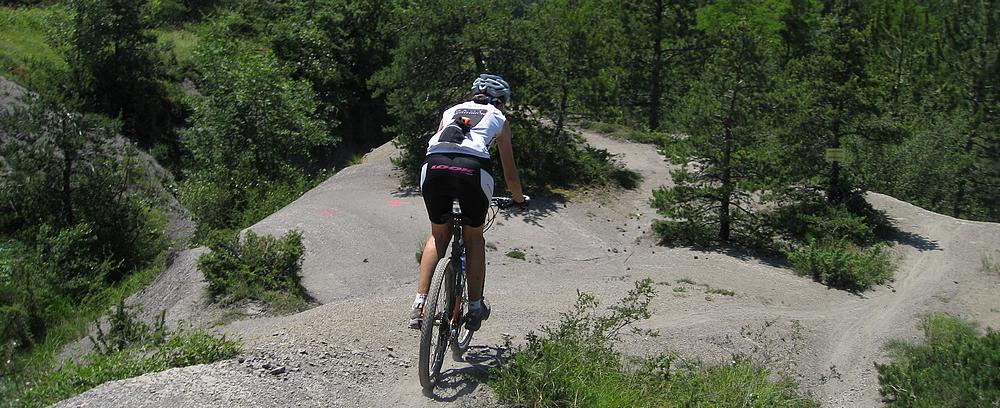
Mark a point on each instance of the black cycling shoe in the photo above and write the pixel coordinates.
(474, 319)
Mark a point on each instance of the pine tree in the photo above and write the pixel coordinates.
(726, 121)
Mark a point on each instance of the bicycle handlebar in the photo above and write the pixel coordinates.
(507, 202)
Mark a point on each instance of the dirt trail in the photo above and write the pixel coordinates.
(361, 234)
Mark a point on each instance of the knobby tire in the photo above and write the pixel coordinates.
(434, 337)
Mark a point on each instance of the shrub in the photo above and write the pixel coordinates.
(683, 232)
(256, 267)
(546, 161)
(812, 217)
(251, 136)
(839, 224)
(575, 361)
(575, 364)
(179, 348)
(842, 264)
(955, 368)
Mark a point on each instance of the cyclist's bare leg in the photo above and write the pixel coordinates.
(475, 254)
(434, 249)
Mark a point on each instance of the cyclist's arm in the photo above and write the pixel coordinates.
(509, 167)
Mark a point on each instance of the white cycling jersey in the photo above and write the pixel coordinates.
(485, 122)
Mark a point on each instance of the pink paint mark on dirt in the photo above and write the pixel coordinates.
(328, 212)
(395, 202)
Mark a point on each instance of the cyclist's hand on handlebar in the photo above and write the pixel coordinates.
(523, 205)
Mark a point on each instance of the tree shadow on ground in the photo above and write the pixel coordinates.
(769, 257)
(455, 383)
(406, 192)
(912, 239)
(542, 206)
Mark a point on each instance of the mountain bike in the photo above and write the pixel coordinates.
(448, 302)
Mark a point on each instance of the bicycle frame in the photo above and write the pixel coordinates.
(455, 283)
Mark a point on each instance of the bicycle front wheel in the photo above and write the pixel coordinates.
(435, 330)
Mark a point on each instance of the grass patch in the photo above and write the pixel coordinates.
(128, 348)
(842, 264)
(955, 368)
(515, 254)
(75, 324)
(576, 364)
(259, 267)
(723, 292)
(620, 132)
(182, 41)
(680, 289)
(24, 38)
(686, 280)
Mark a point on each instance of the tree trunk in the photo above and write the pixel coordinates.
(563, 101)
(726, 195)
(835, 191)
(656, 92)
(963, 177)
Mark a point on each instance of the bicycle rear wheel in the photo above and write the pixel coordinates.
(435, 330)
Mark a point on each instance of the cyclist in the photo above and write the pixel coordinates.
(458, 166)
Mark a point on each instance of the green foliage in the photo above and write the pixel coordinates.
(515, 254)
(723, 292)
(543, 161)
(817, 220)
(575, 364)
(111, 69)
(955, 368)
(336, 46)
(233, 180)
(425, 78)
(257, 267)
(64, 169)
(841, 264)
(725, 113)
(24, 33)
(167, 11)
(661, 52)
(76, 218)
(148, 349)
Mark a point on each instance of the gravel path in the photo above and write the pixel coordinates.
(361, 233)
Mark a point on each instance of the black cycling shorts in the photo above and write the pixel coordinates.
(447, 176)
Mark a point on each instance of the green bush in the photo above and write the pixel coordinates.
(544, 161)
(148, 352)
(250, 138)
(575, 364)
(955, 368)
(812, 217)
(842, 264)
(256, 267)
(683, 232)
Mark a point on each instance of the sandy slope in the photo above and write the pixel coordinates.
(361, 233)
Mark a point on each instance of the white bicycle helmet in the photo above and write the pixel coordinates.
(493, 86)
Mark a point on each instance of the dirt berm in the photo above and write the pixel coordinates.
(361, 233)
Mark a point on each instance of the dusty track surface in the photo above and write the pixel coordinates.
(361, 234)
